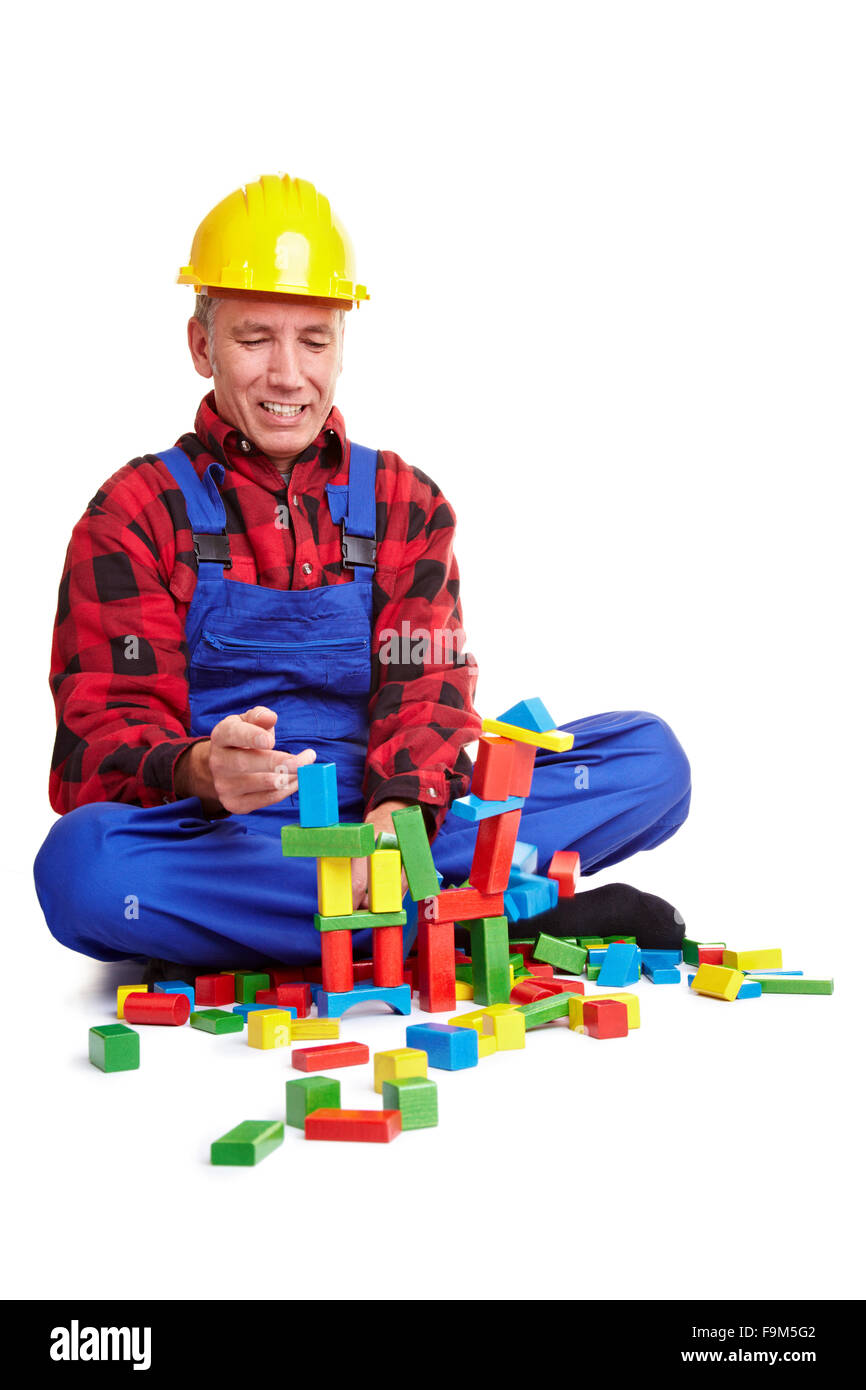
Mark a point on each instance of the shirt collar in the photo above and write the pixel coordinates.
(231, 448)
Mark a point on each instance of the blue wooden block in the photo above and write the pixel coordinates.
(529, 714)
(472, 808)
(661, 974)
(448, 1048)
(176, 987)
(524, 900)
(245, 1009)
(525, 858)
(773, 972)
(397, 997)
(750, 989)
(317, 794)
(620, 967)
(667, 958)
(546, 888)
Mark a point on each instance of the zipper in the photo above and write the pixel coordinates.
(225, 644)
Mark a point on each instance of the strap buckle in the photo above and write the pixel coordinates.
(358, 550)
(215, 549)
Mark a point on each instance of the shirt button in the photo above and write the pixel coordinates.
(431, 791)
(245, 445)
(306, 569)
(295, 499)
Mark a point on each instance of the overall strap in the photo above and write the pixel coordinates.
(205, 509)
(359, 523)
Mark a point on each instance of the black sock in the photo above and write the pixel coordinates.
(606, 911)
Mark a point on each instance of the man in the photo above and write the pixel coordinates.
(227, 613)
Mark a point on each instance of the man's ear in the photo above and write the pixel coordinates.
(198, 348)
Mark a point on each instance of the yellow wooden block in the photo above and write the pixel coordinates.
(507, 1025)
(553, 739)
(463, 990)
(631, 1001)
(473, 1019)
(314, 1027)
(335, 886)
(510, 976)
(384, 880)
(402, 1062)
(486, 1045)
(769, 959)
(268, 1028)
(123, 991)
(717, 981)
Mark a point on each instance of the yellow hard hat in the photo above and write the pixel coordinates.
(275, 236)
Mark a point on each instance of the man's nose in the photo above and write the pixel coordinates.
(284, 367)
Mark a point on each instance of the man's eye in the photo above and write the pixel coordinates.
(308, 342)
(253, 342)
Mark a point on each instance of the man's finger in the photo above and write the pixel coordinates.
(237, 732)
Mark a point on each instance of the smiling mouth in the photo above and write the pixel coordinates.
(282, 412)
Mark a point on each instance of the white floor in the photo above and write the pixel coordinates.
(713, 1154)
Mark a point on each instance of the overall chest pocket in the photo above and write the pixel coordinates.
(317, 686)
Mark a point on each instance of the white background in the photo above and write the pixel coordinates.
(615, 253)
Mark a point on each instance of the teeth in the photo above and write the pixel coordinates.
(287, 410)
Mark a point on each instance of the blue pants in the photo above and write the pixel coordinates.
(118, 881)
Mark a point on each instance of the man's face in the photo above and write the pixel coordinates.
(275, 365)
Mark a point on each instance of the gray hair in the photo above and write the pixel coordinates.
(205, 313)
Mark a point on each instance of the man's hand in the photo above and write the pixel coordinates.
(238, 769)
(380, 817)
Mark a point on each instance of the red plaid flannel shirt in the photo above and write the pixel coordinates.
(130, 570)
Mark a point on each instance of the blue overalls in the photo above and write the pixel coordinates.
(118, 881)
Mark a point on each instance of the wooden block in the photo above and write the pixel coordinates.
(522, 768)
(342, 1054)
(690, 949)
(309, 1093)
(462, 990)
(460, 905)
(564, 867)
(711, 955)
(552, 950)
(401, 1061)
(415, 1097)
(621, 966)
(123, 993)
(248, 1143)
(248, 983)
(493, 766)
(436, 978)
(213, 990)
(334, 878)
(269, 1028)
(529, 714)
(494, 847)
(553, 740)
(388, 956)
(384, 887)
(769, 959)
(351, 840)
(577, 1001)
(605, 1018)
(337, 974)
(717, 981)
(541, 1011)
(286, 975)
(794, 984)
(359, 921)
(491, 979)
(472, 808)
(315, 1028)
(297, 995)
(447, 1046)
(169, 1009)
(354, 1126)
(414, 844)
(216, 1021)
(397, 997)
(507, 1025)
(317, 794)
(527, 991)
(114, 1047)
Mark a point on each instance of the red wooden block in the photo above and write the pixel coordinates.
(410, 973)
(710, 955)
(494, 848)
(571, 986)
(342, 1054)
(524, 947)
(461, 958)
(362, 1126)
(313, 974)
(362, 970)
(436, 980)
(285, 975)
(157, 1008)
(565, 870)
(388, 956)
(540, 971)
(605, 1018)
(294, 996)
(525, 991)
(266, 996)
(522, 768)
(337, 977)
(491, 776)
(461, 905)
(214, 990)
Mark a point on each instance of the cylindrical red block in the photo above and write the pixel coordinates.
(387, 957)
(157, 1008)
(525, 991)
(337, 976)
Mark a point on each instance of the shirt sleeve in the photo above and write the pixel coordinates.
(421, 710)
(119, 656)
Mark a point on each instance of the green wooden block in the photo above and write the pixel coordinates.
(355, 921)
(593, 972)
(416, 1097)
(385, 840)
(587, 941)
(310, 1093)
(247, 1144)
(522, 940)
(542, 1011)
(216, 1021)
(114, 1047)
(690, 949)
(516, 959)
(348, 841)
(791, 984)
(610, 940)
(247, 983)
(554, 951)
(415, 848)
(464, 973)
(491, 981)
(522, 973)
